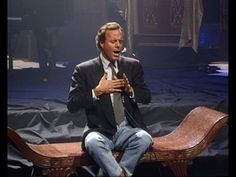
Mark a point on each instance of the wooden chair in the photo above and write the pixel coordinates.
(176, 149)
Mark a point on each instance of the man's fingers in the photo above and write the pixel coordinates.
(104, 75)
(118, 83)
(116, 90)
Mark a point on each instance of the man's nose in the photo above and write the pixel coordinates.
(118, 44)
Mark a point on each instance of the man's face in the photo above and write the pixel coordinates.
(113, 45)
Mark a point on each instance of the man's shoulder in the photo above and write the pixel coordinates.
(129, 59)
(88, 63)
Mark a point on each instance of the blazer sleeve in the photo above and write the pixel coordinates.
(141, 91)
(80, 95)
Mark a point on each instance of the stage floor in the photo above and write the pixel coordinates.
(197, 84)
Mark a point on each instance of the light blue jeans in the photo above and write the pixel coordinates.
(134, 142)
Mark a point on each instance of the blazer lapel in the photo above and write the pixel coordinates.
(104, 100)
(97, 71)
(121, 66)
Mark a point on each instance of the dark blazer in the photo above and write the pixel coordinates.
(100, 116)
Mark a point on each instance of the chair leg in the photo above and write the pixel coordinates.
(178, 167)
(56, 172)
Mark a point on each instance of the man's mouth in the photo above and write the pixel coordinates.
(116, 53)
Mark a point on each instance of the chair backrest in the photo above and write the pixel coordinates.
(17, 141)
(195, 132)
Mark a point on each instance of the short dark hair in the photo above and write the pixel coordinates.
(100, 37)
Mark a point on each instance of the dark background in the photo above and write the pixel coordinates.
(179, 79)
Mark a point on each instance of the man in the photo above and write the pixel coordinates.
(97, 86)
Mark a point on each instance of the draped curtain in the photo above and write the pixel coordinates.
(128, 10)
(190, 28)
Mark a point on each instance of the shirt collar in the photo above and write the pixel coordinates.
(106, 62)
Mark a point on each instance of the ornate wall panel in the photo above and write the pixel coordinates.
(160, 16)
(159, 22)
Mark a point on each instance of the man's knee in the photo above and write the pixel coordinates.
(92, 139)
(144, 137)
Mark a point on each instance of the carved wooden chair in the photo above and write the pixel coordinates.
(176, 149)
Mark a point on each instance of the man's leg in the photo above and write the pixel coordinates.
(134, 142)
(99, 148)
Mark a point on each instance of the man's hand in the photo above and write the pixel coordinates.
(127, 87)
(109, 86)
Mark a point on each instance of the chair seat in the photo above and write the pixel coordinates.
(175, 149)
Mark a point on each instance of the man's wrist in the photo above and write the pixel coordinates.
(97, 92)
(95, 95)
(130, 91)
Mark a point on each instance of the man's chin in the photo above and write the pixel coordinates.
(115, 58)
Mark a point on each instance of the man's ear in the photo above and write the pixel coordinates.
(101, 44)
